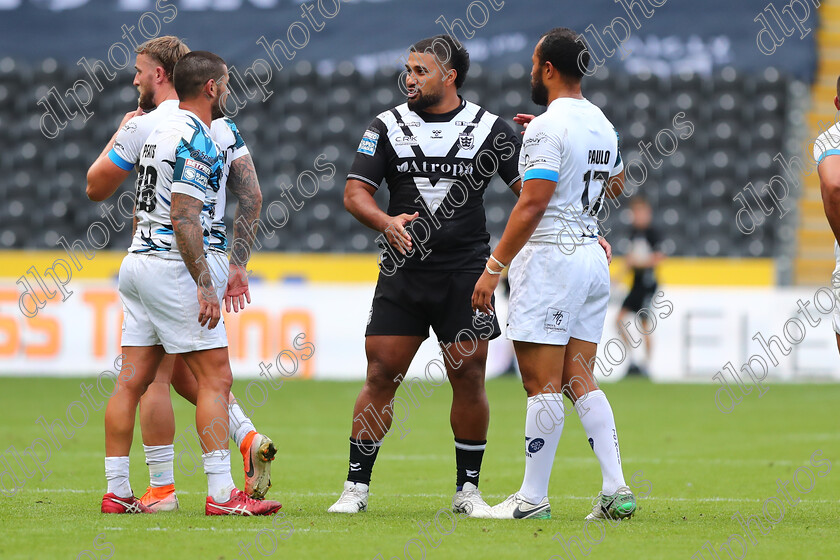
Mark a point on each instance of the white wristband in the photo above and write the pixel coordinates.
(487, 268)
(498, 262)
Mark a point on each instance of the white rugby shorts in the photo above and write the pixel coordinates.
(160, 304)
(556, 296)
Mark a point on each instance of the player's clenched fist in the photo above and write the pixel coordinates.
(396, 233)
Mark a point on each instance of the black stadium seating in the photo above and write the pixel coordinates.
(42, 181)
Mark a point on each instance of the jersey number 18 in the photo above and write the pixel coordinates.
(146, 181)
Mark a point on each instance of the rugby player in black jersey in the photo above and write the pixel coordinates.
(437, 154)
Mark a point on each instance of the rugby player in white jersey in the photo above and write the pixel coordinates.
(826, 152)
(179, 168)
(156, 59)
(559, 276)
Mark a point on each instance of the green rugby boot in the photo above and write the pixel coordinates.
(618, 506)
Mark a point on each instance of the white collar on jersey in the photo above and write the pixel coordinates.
(563, 100)
(168, 104)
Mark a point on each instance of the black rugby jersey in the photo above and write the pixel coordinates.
(645, 278)
(439, 166)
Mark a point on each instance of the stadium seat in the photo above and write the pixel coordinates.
(740, 122)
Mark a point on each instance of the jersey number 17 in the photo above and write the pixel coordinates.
(599, 177)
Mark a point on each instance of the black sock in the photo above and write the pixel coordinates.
(362, 456)
(468, 456)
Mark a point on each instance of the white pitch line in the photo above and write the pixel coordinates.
(214, 529)
(223, 529)
(640, 461)
(588, 459)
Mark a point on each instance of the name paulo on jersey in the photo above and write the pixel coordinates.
(599, 157)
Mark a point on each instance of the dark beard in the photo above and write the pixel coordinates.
(424, 101)
(539, 93)
(146, 101)
(216, 110)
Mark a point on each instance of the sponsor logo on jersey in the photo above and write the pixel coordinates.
(529, 163)
(406, 141)
(409, 124)
(466, 123)
(556, 320)
(130, 127)
(195, 173)
(466, 140)
(535, 140)
(451, 169)
(437, 134)
(203, 157)
(368, 144)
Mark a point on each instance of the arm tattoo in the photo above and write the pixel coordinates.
(189, 234)
(243, 183)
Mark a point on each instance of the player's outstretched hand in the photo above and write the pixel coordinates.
(396, 234)
(237, 292)
(523, 119)
(607, 248)
(210, 311)
(482, 297)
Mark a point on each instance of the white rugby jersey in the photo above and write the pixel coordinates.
(179, 156)
(232, 147)
(828, 144)
(575, 145)
(130, 139)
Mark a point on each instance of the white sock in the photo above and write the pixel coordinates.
(240, 425)
(597, 418)
(217, 469)
(116, 473)
(160, 459)
(543, 428)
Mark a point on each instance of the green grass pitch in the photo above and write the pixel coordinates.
(698, 466)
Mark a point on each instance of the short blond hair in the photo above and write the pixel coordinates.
(166, 50)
